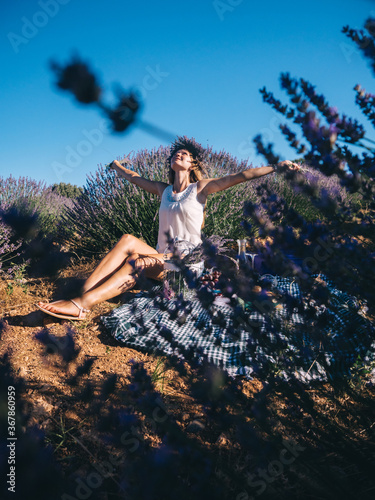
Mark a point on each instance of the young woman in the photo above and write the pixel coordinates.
(180, 216)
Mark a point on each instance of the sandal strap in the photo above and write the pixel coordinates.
(81, 309)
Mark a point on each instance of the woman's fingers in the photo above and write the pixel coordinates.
(289, 164)
(114, 164)
(295, 166)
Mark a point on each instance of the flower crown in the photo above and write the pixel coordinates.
(191, 145)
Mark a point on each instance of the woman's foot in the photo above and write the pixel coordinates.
(65, 309)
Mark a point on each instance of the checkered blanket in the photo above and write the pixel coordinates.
(241, 340)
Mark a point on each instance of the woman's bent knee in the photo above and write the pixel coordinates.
(125, 238)
(126, 242)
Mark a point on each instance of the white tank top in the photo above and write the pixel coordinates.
(181, 215)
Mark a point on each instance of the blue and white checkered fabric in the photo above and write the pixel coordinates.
(232, 338)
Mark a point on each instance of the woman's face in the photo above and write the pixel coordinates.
(181, 160)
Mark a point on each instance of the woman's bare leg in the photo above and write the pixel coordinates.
(115, 259)
(119, 282)
(124, 279)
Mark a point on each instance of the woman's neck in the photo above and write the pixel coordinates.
(181, 181)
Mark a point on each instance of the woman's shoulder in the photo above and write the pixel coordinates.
(200, 187)
(203, 182)
(163, 188)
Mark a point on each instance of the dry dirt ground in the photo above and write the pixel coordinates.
(52, 401)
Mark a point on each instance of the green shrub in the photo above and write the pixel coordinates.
(67, 190)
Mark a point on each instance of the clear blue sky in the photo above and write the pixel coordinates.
(198, 64)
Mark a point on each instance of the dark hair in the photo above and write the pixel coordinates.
(197, 153)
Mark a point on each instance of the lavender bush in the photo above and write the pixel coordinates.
(339, 245)
(33, 199)
(325, 137)
(29, 211)
(110, 206)
(8, 250)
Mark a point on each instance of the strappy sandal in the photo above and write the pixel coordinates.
(67, 316)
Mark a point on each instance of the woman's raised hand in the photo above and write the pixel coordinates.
(115, 165)
(287, 165)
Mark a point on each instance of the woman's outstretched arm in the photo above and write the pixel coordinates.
(210, 186)
(154, 187)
